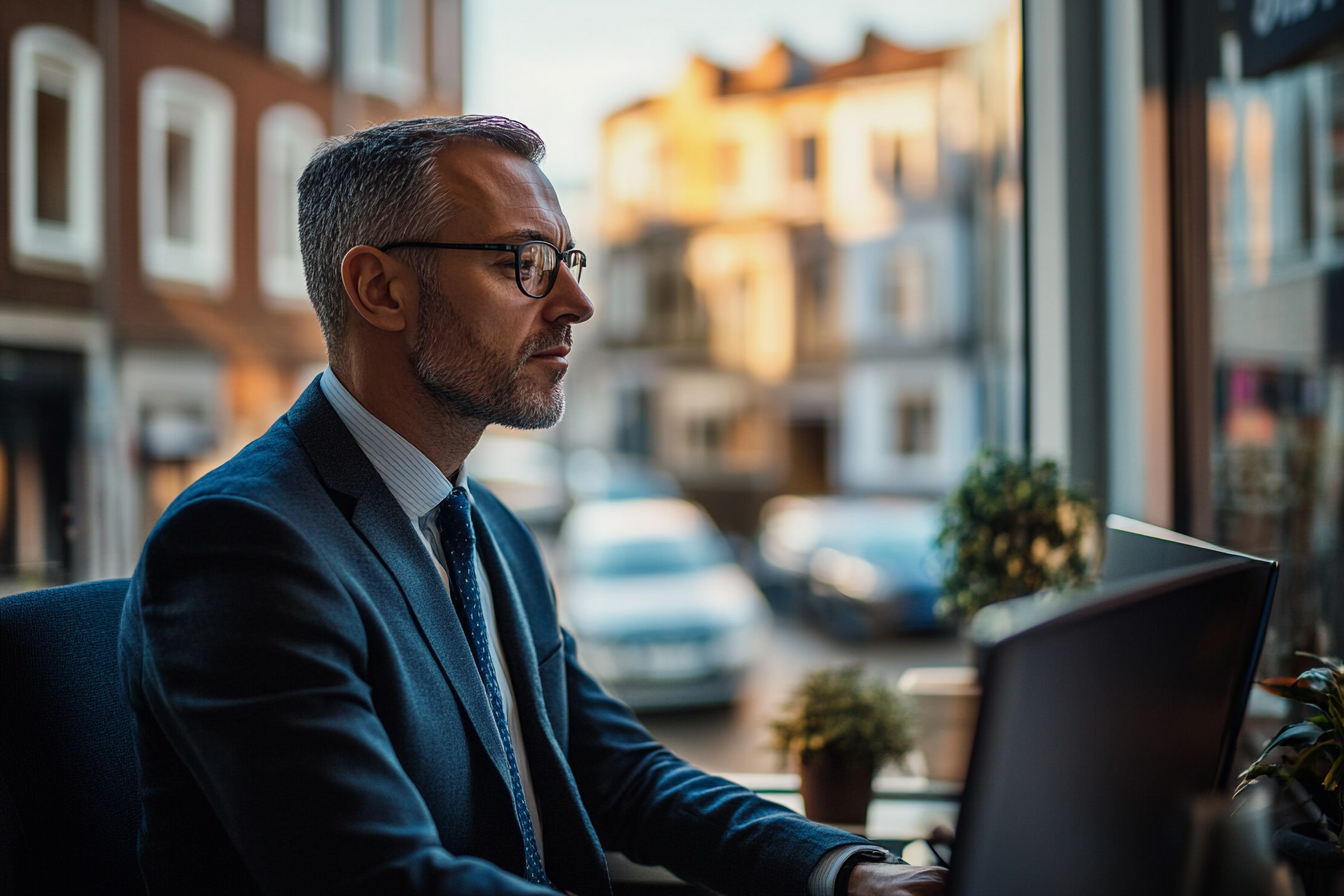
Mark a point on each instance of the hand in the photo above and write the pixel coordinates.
(879, 879)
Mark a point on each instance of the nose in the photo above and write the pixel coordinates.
(567, 303)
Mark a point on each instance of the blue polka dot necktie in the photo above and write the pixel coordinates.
(459, 549)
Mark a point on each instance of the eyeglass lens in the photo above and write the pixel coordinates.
(538, 265)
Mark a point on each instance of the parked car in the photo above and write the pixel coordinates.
(861, 567)
(663, 615)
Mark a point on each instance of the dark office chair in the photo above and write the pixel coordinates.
(69, 800)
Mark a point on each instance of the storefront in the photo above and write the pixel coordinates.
(1258, 218)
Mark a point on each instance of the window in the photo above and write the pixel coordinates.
(914, 425)
(905, 163)
(186, 178)
(447, 38)
(215, 15)
(905, 291)
(385, 47)
(805, 167)
(288, 135)
(56, 133)
(297, 32)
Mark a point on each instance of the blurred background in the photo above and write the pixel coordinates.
(834, 249)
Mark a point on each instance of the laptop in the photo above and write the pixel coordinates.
(1098, 726)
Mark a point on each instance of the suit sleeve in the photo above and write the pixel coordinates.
(252, 660)
(658, 809)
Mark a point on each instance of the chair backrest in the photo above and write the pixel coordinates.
(69, 795)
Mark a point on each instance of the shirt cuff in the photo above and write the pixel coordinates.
(821, 882)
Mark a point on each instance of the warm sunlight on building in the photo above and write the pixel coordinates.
(790, 253)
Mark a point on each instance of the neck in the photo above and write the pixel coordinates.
(401, 402)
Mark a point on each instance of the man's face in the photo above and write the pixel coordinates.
(482, 348)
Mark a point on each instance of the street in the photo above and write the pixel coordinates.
(736, 738)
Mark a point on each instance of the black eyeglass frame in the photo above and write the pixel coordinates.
(516, 249)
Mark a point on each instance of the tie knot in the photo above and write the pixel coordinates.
(455, 518)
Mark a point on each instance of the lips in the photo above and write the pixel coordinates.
(558, 351)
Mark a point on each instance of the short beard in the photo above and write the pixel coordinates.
(470, 380)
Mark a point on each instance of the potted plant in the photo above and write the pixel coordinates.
(1310, 754)
(1012, 527)
(840, 728)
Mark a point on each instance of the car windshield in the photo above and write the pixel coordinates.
(653, 556)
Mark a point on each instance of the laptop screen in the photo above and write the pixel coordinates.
(1098, 726)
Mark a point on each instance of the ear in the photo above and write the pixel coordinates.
(383, 290)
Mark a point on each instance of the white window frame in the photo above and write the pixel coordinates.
(73, 248)
(403, 81)
(206, 260)
(287, 134)
(215, 15)
(297, 31)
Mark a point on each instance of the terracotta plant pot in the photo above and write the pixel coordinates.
(1318, 861)
(837, 792)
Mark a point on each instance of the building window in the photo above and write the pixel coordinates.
(447, 45)
(914, 425)
(186, 178)
(297, 32)
(215, 15)
(905, 290)
(56, 132)
(384, 47)
(805, 159)
(288, 134)
(905, 164)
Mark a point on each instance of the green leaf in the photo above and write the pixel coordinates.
(1301, 734)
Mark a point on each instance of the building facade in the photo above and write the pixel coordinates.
(153, 314)
(806, 278)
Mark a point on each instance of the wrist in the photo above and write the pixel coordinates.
(864, 856)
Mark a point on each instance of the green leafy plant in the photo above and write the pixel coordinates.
(1012, 527)
(838, 716)
(1311, 751)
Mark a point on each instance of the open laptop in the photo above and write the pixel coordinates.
(1099, 725)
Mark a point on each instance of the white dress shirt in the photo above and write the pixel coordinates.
(419, 487)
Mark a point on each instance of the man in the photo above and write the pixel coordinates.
(343, 658)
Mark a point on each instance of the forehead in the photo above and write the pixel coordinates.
(496, 193)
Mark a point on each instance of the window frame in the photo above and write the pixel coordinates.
(207, 259)
(281, 277)
(307, 50)
(75, 248)
(363, 71)
(216, 16)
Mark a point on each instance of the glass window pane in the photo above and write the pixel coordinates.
(1278, 442)
(53, 158)
(179, 182)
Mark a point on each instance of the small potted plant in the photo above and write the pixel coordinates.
(1012, 527)
(841, 728)
(1310, 754)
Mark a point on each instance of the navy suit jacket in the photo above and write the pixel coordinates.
(309, 718)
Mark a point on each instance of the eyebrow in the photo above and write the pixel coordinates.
(525, 234)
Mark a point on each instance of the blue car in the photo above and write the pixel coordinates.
(860, 567)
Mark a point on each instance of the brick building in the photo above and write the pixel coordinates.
(153, 316)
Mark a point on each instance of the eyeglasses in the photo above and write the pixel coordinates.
(536, 263)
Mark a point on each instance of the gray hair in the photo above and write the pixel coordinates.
(378, 186)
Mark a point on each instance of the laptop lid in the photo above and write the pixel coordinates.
(1098, 726)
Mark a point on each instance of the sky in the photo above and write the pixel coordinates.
(561, 67)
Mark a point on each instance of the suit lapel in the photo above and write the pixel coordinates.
(572, 860)
(381, 522)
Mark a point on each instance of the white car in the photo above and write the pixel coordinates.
(663, 615)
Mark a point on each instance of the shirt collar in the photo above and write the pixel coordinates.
(417, 484)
